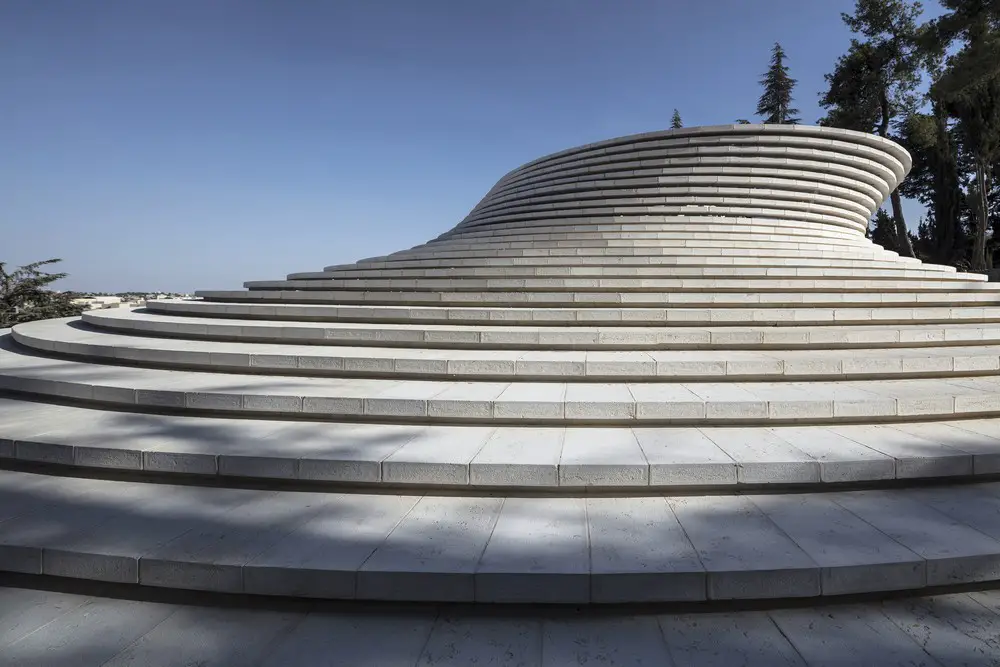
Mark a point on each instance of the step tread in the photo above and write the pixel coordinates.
(445, 400)
(56, 336)
(622, 315)
(196, 323)
(426, 547)
(568, 459)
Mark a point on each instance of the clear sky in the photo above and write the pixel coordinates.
(193, 144)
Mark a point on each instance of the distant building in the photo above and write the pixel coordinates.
(98, 302)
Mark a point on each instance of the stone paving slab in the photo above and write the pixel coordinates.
(504, 456)
(442, 548)
(56, 628)
(947, 630)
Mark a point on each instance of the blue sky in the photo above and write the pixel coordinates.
(194, 144)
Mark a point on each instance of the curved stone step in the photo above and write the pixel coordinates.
(677, 273)
(748, 230)
(214, 321)
(851, 207)
(807, 251)
(855, 149)
(58, 336)
(615, 180)
(883, 161)
(710, 286)
(484, 247)
(679, 239)
(704, 221)
(663, 262)
(514, 298)
(753, 314)
(554, 459)
(553, 403)
(693, 206)
(489, 549)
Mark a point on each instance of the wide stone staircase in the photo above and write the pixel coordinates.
(665, 367)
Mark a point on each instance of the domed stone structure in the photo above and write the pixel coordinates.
(663, 367)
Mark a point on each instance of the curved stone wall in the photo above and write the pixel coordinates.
(832, 177)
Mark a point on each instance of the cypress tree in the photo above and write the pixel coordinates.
(775, 105)
(675, 122)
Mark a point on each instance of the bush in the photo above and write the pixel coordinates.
(24, 297)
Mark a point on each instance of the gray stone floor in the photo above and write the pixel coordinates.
(41, 628)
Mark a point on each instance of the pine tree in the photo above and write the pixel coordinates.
(675, 122)
(935, 181)
(882, 231)
(872, 87)
(775, 105)
(24, 297)
(969, 89)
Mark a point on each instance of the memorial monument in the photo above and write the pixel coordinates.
(663, 367)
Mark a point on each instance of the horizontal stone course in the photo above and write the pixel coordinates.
(442, 401)
(223, 322)
(625, 284)
(287, 359)
(928, 310)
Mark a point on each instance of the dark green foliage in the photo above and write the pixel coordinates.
(742, 121)
(977, 109)
(935, 181)
(882, 230)
(976, 25)
(775, 104)
(969, 91)
(24, 296)
(872, 88)
(852, 100)
(675, 122)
